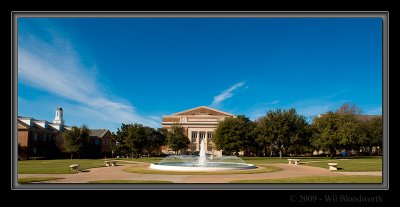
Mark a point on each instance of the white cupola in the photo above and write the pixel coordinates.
(58, 119)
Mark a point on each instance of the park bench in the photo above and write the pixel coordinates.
(333, 166)
(111, 163)
(294, 161)
(74, 168)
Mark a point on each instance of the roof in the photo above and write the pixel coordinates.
(98, 132)
(199, 110)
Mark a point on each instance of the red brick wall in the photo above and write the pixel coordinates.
(23, 138)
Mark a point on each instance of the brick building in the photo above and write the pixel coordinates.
(102, 137)
(40, 137)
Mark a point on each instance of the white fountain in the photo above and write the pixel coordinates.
(202, 158)
(201, 163)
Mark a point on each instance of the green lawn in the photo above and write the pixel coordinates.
(35, 179)
(130, 181)
(56, 166)
(146, 170)
(352, 164)
(319, 179)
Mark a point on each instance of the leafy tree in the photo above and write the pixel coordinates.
(154, 139)
(22, 152)
(176, 139)
(371, 133)
(135, 139)
(281, 128)
(120, 148)
(326, 132)
(233, 134)
(335, 131)
(75, 138)
(376, 132)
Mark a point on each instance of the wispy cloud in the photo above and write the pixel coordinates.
(55, 66)
(226, 94)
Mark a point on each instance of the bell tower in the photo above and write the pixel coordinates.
(58, 119)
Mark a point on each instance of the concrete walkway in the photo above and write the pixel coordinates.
(116, 173)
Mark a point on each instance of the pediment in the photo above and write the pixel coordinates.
(203, 110)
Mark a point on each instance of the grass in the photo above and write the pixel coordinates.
(319, 179)
(353, 164)
(146, 170)
(130, 181)
(56, 166)
(36, 179)
(62, 166)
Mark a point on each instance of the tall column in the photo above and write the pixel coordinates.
(197, 141)
(206, 140)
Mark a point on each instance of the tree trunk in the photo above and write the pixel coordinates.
(280, 153)
(265, 150)
(271, 148)
(72, 154)
(148, 154)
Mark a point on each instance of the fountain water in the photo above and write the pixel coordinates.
(202, 158)
(201, 163)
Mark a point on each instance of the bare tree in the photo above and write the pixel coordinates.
(349, 108)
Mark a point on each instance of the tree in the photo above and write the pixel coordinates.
(376, 132)
(281, 128)
(232, 134)
(371, 133)
(22, 152)
(120, 147)
(349, 108)
(75, 138)
(135, 139)
(335, 131)
(176, 139)
(154, 139)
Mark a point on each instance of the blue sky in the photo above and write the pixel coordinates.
(108, 71)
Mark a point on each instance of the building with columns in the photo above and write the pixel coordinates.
(199, 124)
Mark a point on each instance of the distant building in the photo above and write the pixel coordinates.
(40, 137)
(102, 137)
(199, 124)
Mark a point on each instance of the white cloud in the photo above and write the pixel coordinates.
(226, 94)
(54, 66)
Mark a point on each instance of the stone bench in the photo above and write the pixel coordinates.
(333, 166)
(294, 161)
(74, 168)
(111, 163)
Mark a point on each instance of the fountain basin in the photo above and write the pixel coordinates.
(209, 167)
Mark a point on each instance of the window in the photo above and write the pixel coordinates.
(44, 137)
(35, 137)
(96, 142)
(34, 150)
(194, 136)
(202, 135)
(210, 135)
